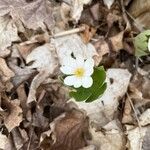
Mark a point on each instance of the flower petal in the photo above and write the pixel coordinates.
(149, 44)
(66, 70)
(69, 61)
(87, 82)
(89, 71)
(78, 82)
(89, 63)
(70, 80)
(79, 61)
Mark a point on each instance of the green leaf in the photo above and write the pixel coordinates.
(97, 89)
(141, 43)
(97, 94)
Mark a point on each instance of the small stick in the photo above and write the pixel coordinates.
(64, 33)
(72, 31)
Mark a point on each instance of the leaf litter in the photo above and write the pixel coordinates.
(36, 111)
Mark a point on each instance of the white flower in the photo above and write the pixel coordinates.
(80, 72)
(149, 44)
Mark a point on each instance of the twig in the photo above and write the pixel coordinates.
(128, 26)
(73, 31)
(138, 25)
(64, 33)
(140, 128)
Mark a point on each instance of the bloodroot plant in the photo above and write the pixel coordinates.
(87, 82)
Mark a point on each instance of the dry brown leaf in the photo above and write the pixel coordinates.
(87, 34)
(21, 74)
(5, 72)
(127, 116)
(14, 116)
(16, 139)
(3, 140)
(104, 47)
(140, 11)
(33, 14)
(8, 32)
(117, 41)
(68, 131)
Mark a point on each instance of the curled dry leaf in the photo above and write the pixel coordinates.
(145, 118)
(102, 110)
(104, 47)
(67, 45)
(140, 11)
(68, 131)
(136, 137)
(14, 116)
(33, 14)
(8, 32)
(5, 72)
(77, 8)
(21, 74)
(16, 139)
(45, 61)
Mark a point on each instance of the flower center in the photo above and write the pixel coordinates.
(79, 72)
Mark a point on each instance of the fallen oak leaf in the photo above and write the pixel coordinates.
(14, 116)
(65, 128)
(8, 32)
(33, 14)
(5, 72)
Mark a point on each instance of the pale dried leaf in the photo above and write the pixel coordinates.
(108, 3)
(45, 61)
(145, 118)
(105, 141)
(43, 58)
(33, 14)
(15, 114)
(146, 140)
(8, 32)
(77, 8)
(16, 139)
(3, 140)
(5, 72)
(102, 113)
(135, 137)
(67, 45)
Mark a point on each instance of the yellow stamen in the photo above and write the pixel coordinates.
(79, 72)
